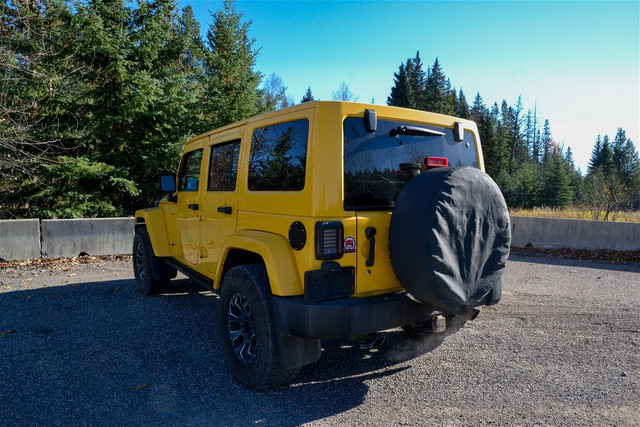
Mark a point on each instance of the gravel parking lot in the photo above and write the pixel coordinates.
(78, 345)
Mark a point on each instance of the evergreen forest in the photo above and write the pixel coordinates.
(97, 98)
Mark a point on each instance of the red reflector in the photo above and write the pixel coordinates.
(436, 162)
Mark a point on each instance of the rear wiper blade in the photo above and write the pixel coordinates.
(415, 131)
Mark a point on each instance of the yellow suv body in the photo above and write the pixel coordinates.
(288, 215)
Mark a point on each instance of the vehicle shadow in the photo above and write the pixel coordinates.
(100, 353)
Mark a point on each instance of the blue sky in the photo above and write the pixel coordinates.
(577, 61)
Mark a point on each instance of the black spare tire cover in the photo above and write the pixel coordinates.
(449, 238)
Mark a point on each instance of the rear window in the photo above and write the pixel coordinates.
(279, 157)
(378, 165)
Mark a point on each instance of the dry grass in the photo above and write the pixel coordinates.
(575, 213)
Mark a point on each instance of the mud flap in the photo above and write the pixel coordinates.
(296, 352)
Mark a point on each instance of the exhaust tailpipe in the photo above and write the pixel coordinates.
(371, 341)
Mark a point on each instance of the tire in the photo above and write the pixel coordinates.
(249, 325)
(449, 238)
(151, 274)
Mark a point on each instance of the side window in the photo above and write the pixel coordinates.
(190, 171)
(279, 156)
(223, 166)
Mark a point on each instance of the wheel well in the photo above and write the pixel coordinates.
(238, 257)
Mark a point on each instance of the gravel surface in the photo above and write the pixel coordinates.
(78, 345)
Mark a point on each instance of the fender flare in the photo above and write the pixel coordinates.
(277, 255)
(153, 219)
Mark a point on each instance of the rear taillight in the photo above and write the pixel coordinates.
(436, 162)
(329, 237)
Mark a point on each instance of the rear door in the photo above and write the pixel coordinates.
(378, 164)
(219, 200)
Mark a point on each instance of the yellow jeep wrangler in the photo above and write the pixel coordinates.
(328, 220)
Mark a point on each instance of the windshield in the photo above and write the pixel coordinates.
(378, 165)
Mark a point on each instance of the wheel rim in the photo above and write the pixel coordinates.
(141, 261)
(242, 331)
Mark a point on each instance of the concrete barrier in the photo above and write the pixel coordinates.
(553, 233)
(32, 238)
(98, 236)
(19, 239)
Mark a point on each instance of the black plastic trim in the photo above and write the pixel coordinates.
(349, 318)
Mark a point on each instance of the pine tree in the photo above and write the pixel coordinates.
(556, 191)
(525, 185)
(104, 43)
(512, 121)
(39, 82)
(529, 132)
(452, 102)
(535, 137)
(546, 142)
(478, 109)
(417, 82)
(606, 157)
(602, 156)
(188, 47)
(462, 106)
(596, 155)
(231, 83)
(437, 91)
(308, 96)
(494, 144)
(162, 109)
(400, 91)
(575, 177)
(625, 159)
(569, 158)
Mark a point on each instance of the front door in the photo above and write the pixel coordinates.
(188, 206)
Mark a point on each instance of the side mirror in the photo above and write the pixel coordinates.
(168, 184)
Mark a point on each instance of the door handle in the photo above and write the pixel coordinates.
(193, 206)
(225, 209)
(370, 234)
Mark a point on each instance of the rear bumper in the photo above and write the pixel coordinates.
(353, 318)
(349, 318)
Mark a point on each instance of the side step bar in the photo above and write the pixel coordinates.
(198, 278)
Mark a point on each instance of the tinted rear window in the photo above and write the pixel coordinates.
(377, 165)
